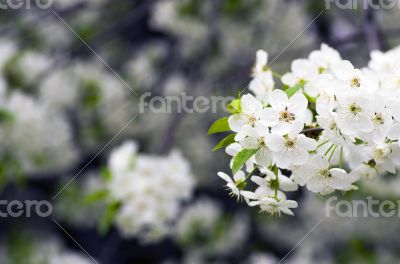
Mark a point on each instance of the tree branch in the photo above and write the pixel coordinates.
(312, 130)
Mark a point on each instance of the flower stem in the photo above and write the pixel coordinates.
(323, 143)
(276, 172)
(341, 158)
(333, 151)
(276, 75)
(250, 173)
(329, 149)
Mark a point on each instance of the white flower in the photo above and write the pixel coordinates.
(386, 156)
(269, 186)
(319, 177)
(123, 158)
(325, 58)
(291, 149)
(303, 71)
(383, 62)
(236, 185)
(150, 190)
(250, 115)
(326, 119)
(364, 171)
(276, 206)
(269, 181)
(256, 139)
(382, 121)
(324, 85)
(354, 115)
(353, 81)
(263, 81)
(285, 115)
(33, 64)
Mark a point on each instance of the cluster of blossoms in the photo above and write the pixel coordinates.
(147, 191)
(39, 100)
(27, 126)
(329, 126)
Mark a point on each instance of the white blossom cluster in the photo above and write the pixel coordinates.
(34, 140)
(45, 110)
(101, 99)
(149, 190)
(331, 125)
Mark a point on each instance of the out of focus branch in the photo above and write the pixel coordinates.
(371, 30)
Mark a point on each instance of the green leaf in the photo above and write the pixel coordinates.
(358, 141)
(97, 196)
(106, 174)
(221, 125)
(225, 142)
(294, 89)
(310, 99)
(108, 217)
(235, 106)
(91, 94)
(6, 116)
(241, 158)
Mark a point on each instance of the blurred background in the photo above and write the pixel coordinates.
(71, 79)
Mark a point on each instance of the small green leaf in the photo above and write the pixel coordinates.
(6, 116)
(97, 196)
(310, 99)
(358, 141)
(108, 217)
(235, 106)
(294, 89)
(225, 142)
(221, 125)
(106, 174)
(241, 158)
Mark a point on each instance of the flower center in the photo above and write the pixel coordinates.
(354, 108)
(356, 82)
(325, 173)
(380, 153)
(332, 125)
(290, 143)
(286, 116)
(378, 119)
(261, 142)
(251, 120)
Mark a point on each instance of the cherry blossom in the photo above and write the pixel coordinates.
(328, 128)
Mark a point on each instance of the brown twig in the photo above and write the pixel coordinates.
(312, 130)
